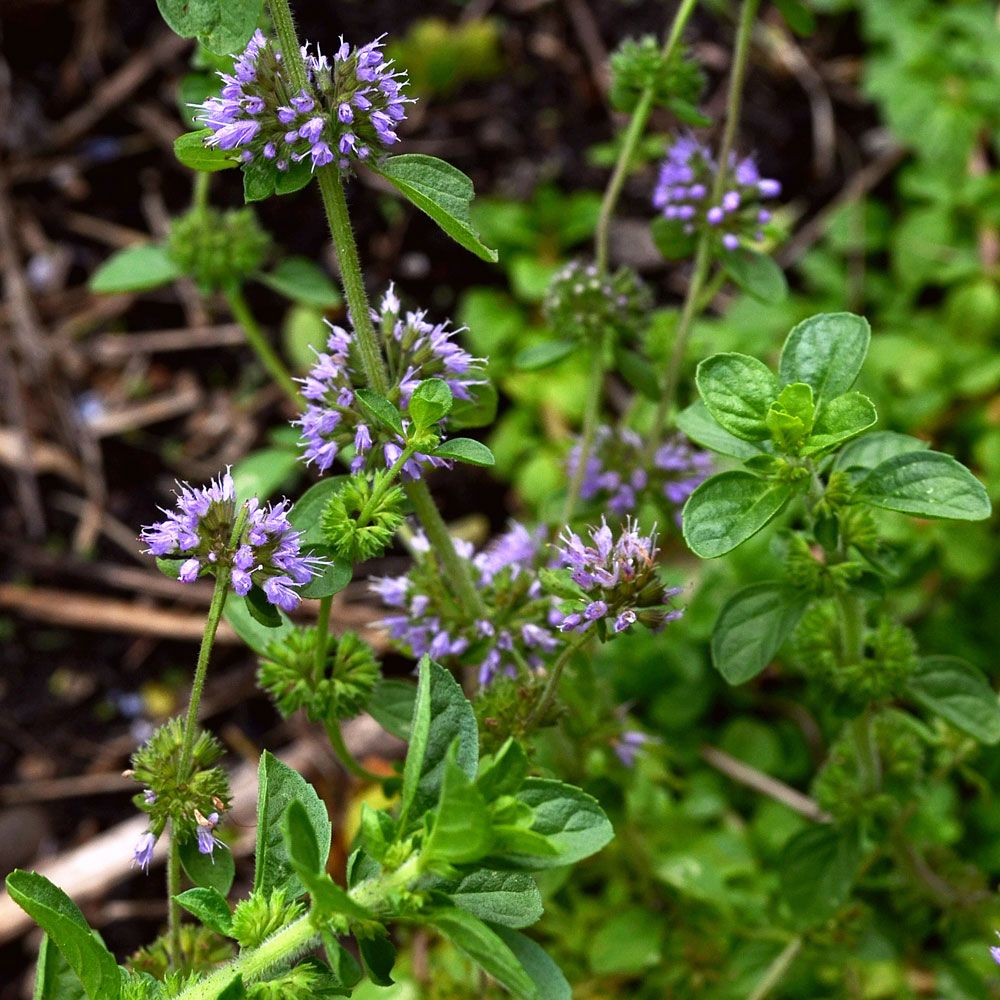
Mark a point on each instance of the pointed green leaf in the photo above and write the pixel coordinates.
(222, 26)
(391, 706)
(302, 280)
(210, 907)
(379, 957)
(738, 391)
(460, 832)
(379, 409)
(508, 898)
(818, 868)
(550, 982)
(466, 450)
(134, 269)
(430, 402)
(875, 448)
(839, 420)
(543, 355)
(701, 427)
(210, 871)
(827, 351)
(190, 149)
(958, 692)
(54, 979)
(308, 510)
(757, 274)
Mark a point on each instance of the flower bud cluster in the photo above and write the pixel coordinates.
(362, 518)
(619, 477)
(338, 687)
(415, 350)
(265, 552)
(518, 633)
(581, 303)
(615, 581)
(218, 248)
(683, 194)
(349, 111)
(638, 65)
(192, 802)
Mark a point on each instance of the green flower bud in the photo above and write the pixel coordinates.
(582, 304)
(261, 914)
(358, 527)
(338, 688)
(639, 64)
(201, 950)
(218, 248)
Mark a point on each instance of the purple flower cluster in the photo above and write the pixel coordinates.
(616, 580)
(628, 745)
(520, 630)
(415, 350)
(200, 530)
(619, 476)
(351, 107)
(683, 194)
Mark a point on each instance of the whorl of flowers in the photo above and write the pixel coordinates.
(351, 108)
(616, 580)
(683, 194)
(266, 553)
(520, 630)
(583, 303)
(618, 475)
(416, 350)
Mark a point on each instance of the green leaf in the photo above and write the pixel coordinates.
(263, 473)
(190, 149)
(757, 274)
(208, 871)
(699, 425)
(222, 26)
(569, 819)
(875, 448)
(508, 898)
(330, 580)
(958, 692)
(303, 333)
(504, 772)
(307, 511)
(797, 15)
(466, 450)
(233, 990)
(441, 191)
(300, 842)
(134, 269)
(738, 391)
(60, 918)
(278, 786)
(460, 831)
(295, 178)
(379, 957)
(550, 983)
(637, 371)
(441, 715)
(727, 509)
(303, 281)
(839, 420)
(485, 947)
(790, 417)
(391, 706)
(257, 636)
(925, 484)
(259, 178)
(54, 979)
(430, 402)
(818, 868)
(543, 355)
(343, 965)
(379, 409)
(210, 907)
(627, 943)
(479, 411)
(826, 351)
(261, 609)
(670, 238)
(751, 627)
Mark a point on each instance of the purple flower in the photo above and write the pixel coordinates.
(628, 745)
(207, 841)
(142, 853)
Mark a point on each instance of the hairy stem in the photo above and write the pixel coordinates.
(257, 339)
(591, 418)
(552, 684)
(336, 737)
(703, 253)
(291, 54)
(777, 969)
(173, 907)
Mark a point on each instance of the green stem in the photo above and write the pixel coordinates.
(173, 907)
(331, 188)
(262, 348)
(703, 255)
(552, 683)
(291, 55)
(344, 755)
(852, 629)
(199, 199)
(777, 969)
(591, 418)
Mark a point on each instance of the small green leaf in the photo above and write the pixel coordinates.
(307, 512)
(303, 281)
(485, 947)
(925, 484)
(441, 715)
(727, 509)
(430, 402)
(699, 425)
(391, 706)
(134, 269)
(757, 274)
(278, 786)
(839, 420)
(222, 26)
(208, 871)
(818, 868)
(54, 979)
(265, 472)
(671, 240)
(638, 372)
(738, 391)
(379, 409)
(627, 943)
(790, 417)
(190, 149)
(258, 637)
(261, 609)
(504, 772)
(303, 334)
(550, 983)
(466, 450)
(330, 579)
(379, 957)
(343, 965)
(259, 178)
(827, 351)
(441, 191)
(875, 448)
(60, 918)
(295, 178)
(751, 627)
(479, 411)
(508, 898)
(797, 15)
(958, 692)
(460, 831)
(210, 907)
(543, 355)
(300, 842)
